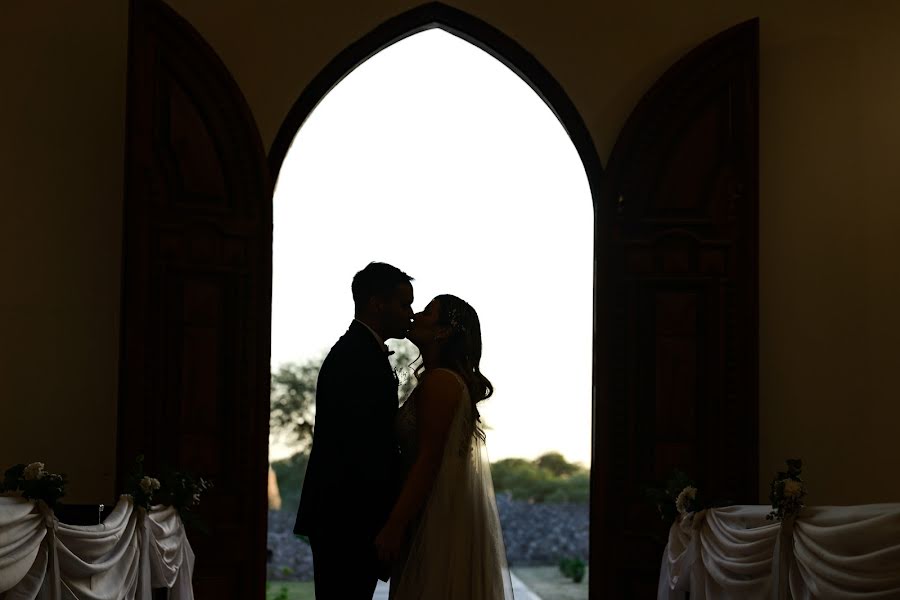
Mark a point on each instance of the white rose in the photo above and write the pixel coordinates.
(34, 471)
(792, 488)
(149, 484)
(688, 493)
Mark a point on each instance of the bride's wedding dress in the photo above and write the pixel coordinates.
(456, 547)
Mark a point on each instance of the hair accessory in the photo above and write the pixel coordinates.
(455, 322)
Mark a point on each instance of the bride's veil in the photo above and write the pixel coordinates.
(456, 549)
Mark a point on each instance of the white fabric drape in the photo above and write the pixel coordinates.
(22, 551)
(171, 556)
(714, 552)
(850, 552)
(126, 556)
(846, 552)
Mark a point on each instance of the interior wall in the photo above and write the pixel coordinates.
(62, 109)
(828, 216)
(829, 277)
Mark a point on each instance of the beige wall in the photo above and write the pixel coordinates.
(62, 106)
(829, 275)
(828, 211)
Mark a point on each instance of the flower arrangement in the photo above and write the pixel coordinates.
(141, 487)
(34, 482)
(686, 500)
(174, 488)
(182, 490)
(679, 497)
(675, 498)
(787, 491)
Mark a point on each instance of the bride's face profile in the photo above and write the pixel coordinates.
(426, 328)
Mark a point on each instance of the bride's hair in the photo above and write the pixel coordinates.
(462, 350)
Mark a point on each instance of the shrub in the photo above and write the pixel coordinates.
(547, 479)
(573, 568)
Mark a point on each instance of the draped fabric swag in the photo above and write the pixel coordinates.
(847, 552)
(132, 552)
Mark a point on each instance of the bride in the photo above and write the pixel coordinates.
(443, 534)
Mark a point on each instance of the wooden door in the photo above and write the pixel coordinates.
(196, 289)
(676, 340)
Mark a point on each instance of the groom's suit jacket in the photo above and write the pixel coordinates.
(353, 476)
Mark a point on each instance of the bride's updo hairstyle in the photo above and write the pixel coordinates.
(462, 350)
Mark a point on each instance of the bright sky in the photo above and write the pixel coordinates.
(435, 157)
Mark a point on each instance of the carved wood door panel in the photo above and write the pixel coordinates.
(196, 289)
(676, 350)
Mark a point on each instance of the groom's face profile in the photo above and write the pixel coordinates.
(396, 312)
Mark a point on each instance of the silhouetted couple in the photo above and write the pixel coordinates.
(402, 493)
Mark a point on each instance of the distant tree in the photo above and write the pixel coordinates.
(572, 488)
(292, 405)
(292, 401)
(292, 413)
(549, 478)
(522, 478)
(556, 464)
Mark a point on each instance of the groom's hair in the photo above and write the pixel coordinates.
(376, 280)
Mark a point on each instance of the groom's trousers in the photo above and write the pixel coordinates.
(345, 569)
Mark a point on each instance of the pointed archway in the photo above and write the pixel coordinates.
(478, 33)
(471, 29)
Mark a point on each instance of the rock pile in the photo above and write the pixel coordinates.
(533, 533)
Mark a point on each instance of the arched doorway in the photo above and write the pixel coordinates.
(434, 156)
(675, 259)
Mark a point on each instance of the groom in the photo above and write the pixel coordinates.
(354, 476)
